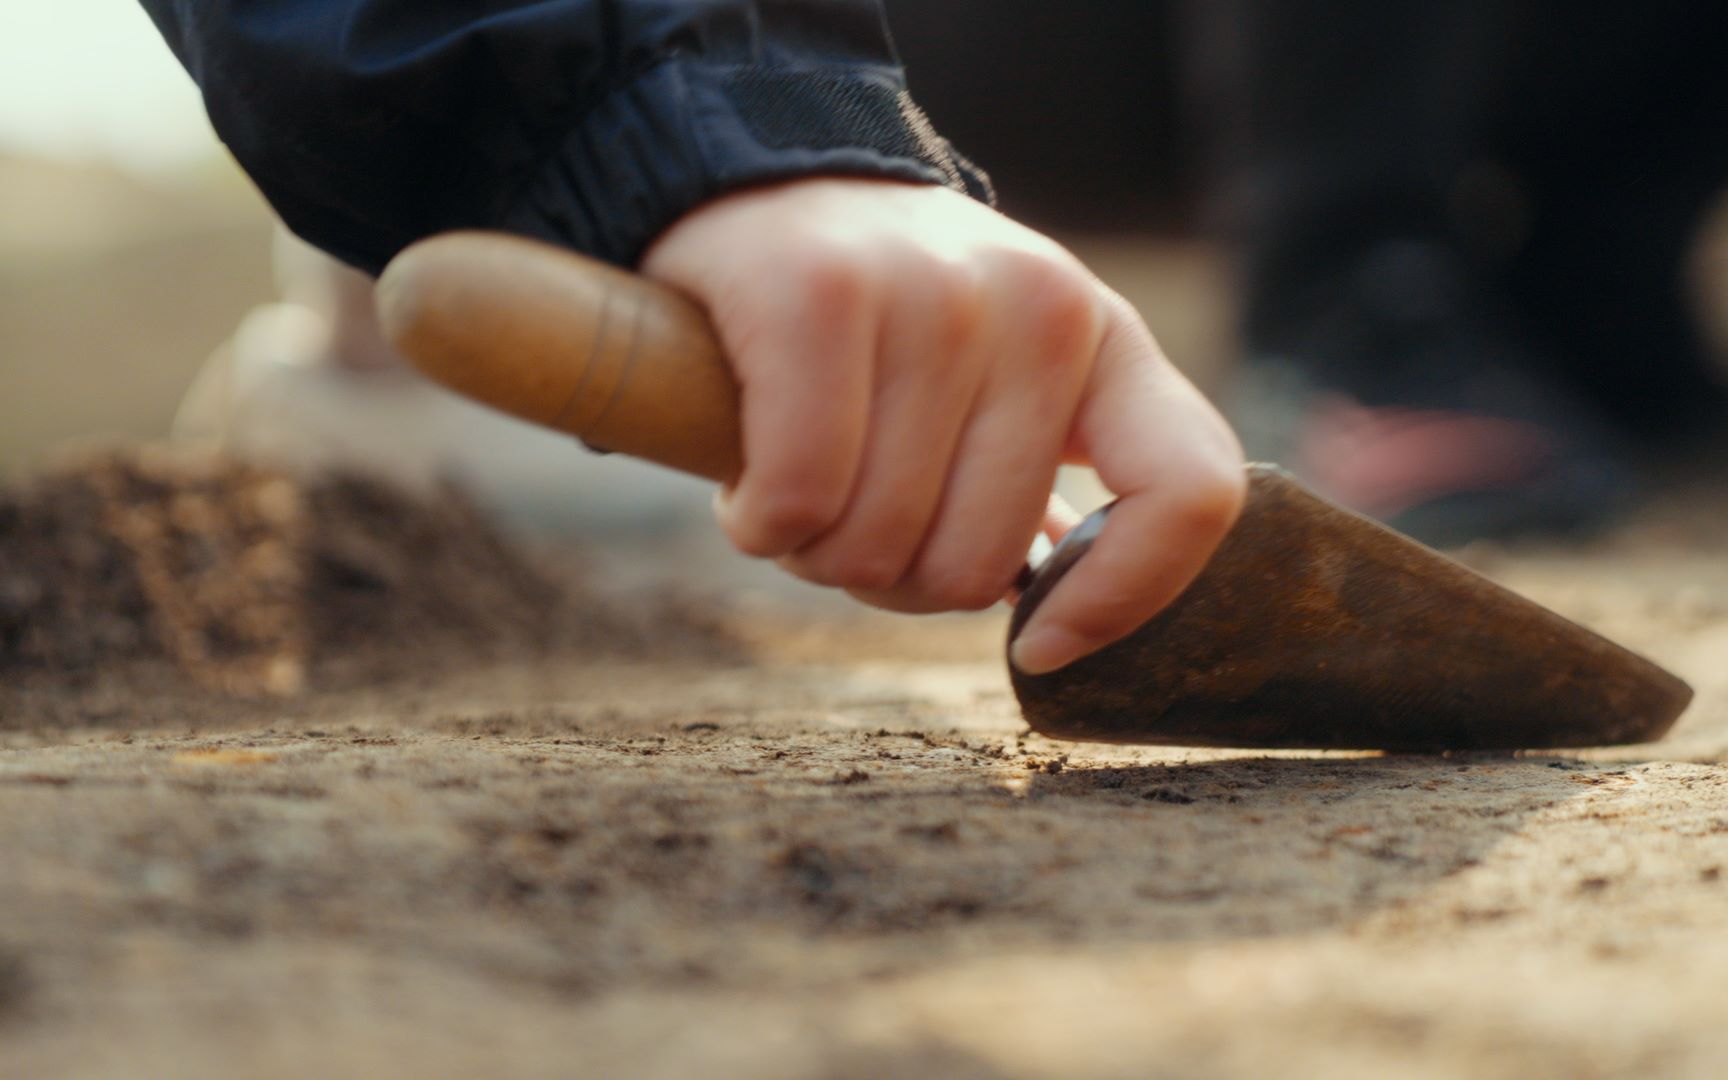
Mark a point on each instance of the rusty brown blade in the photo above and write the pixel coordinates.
(1314, 628)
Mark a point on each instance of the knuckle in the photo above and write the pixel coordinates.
(869, 556)
(783, 521)
(964, 589)
(869, 574)
(1058, 308)
(939, 301)
(1210, 503)
(958, 298)
(832, 282)
(1064, 321)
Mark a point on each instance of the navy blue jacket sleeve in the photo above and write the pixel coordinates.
(590, 123)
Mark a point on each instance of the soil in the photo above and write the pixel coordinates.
(162, 561)
(508, 825)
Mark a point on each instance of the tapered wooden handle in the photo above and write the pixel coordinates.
(621, 362)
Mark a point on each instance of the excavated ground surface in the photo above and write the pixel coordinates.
(846, 858)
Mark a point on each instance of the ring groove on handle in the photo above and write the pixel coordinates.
(559, 339)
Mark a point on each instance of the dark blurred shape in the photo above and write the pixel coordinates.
(1464, 231)
(1073, 108)
(1559, 161)
(1463, 227)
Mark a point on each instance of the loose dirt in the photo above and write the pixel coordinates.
(568, 851)
(141, 565)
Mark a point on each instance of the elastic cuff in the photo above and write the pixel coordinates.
(685, 131)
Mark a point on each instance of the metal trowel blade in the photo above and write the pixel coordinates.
(1315, 628)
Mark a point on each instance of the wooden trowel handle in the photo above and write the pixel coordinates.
(558, 339)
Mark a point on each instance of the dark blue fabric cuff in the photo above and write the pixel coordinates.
(685, 131)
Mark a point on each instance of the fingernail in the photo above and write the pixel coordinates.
(1047, 648)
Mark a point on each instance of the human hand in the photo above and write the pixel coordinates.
(914, 367)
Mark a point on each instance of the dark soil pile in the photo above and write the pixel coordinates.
(253, 583)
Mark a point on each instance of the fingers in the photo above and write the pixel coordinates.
(913, 367)
(804, 358)
(932, 367)
(1176, 466)
(1045, 323)
(998, 494)
(992, 508)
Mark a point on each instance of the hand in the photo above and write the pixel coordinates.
(914, 367)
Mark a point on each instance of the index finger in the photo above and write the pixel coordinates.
(1159, 445)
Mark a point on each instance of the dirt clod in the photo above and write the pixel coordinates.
(252, 583)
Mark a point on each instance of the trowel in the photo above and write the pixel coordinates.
(1311, 628)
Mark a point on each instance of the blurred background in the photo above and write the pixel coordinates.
(131, 247)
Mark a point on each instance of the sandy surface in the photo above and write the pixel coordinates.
(849, 859)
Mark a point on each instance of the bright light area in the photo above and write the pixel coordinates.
(91, 79)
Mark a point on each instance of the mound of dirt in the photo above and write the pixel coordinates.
(254, 583)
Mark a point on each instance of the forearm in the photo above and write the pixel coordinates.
(591, 123)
